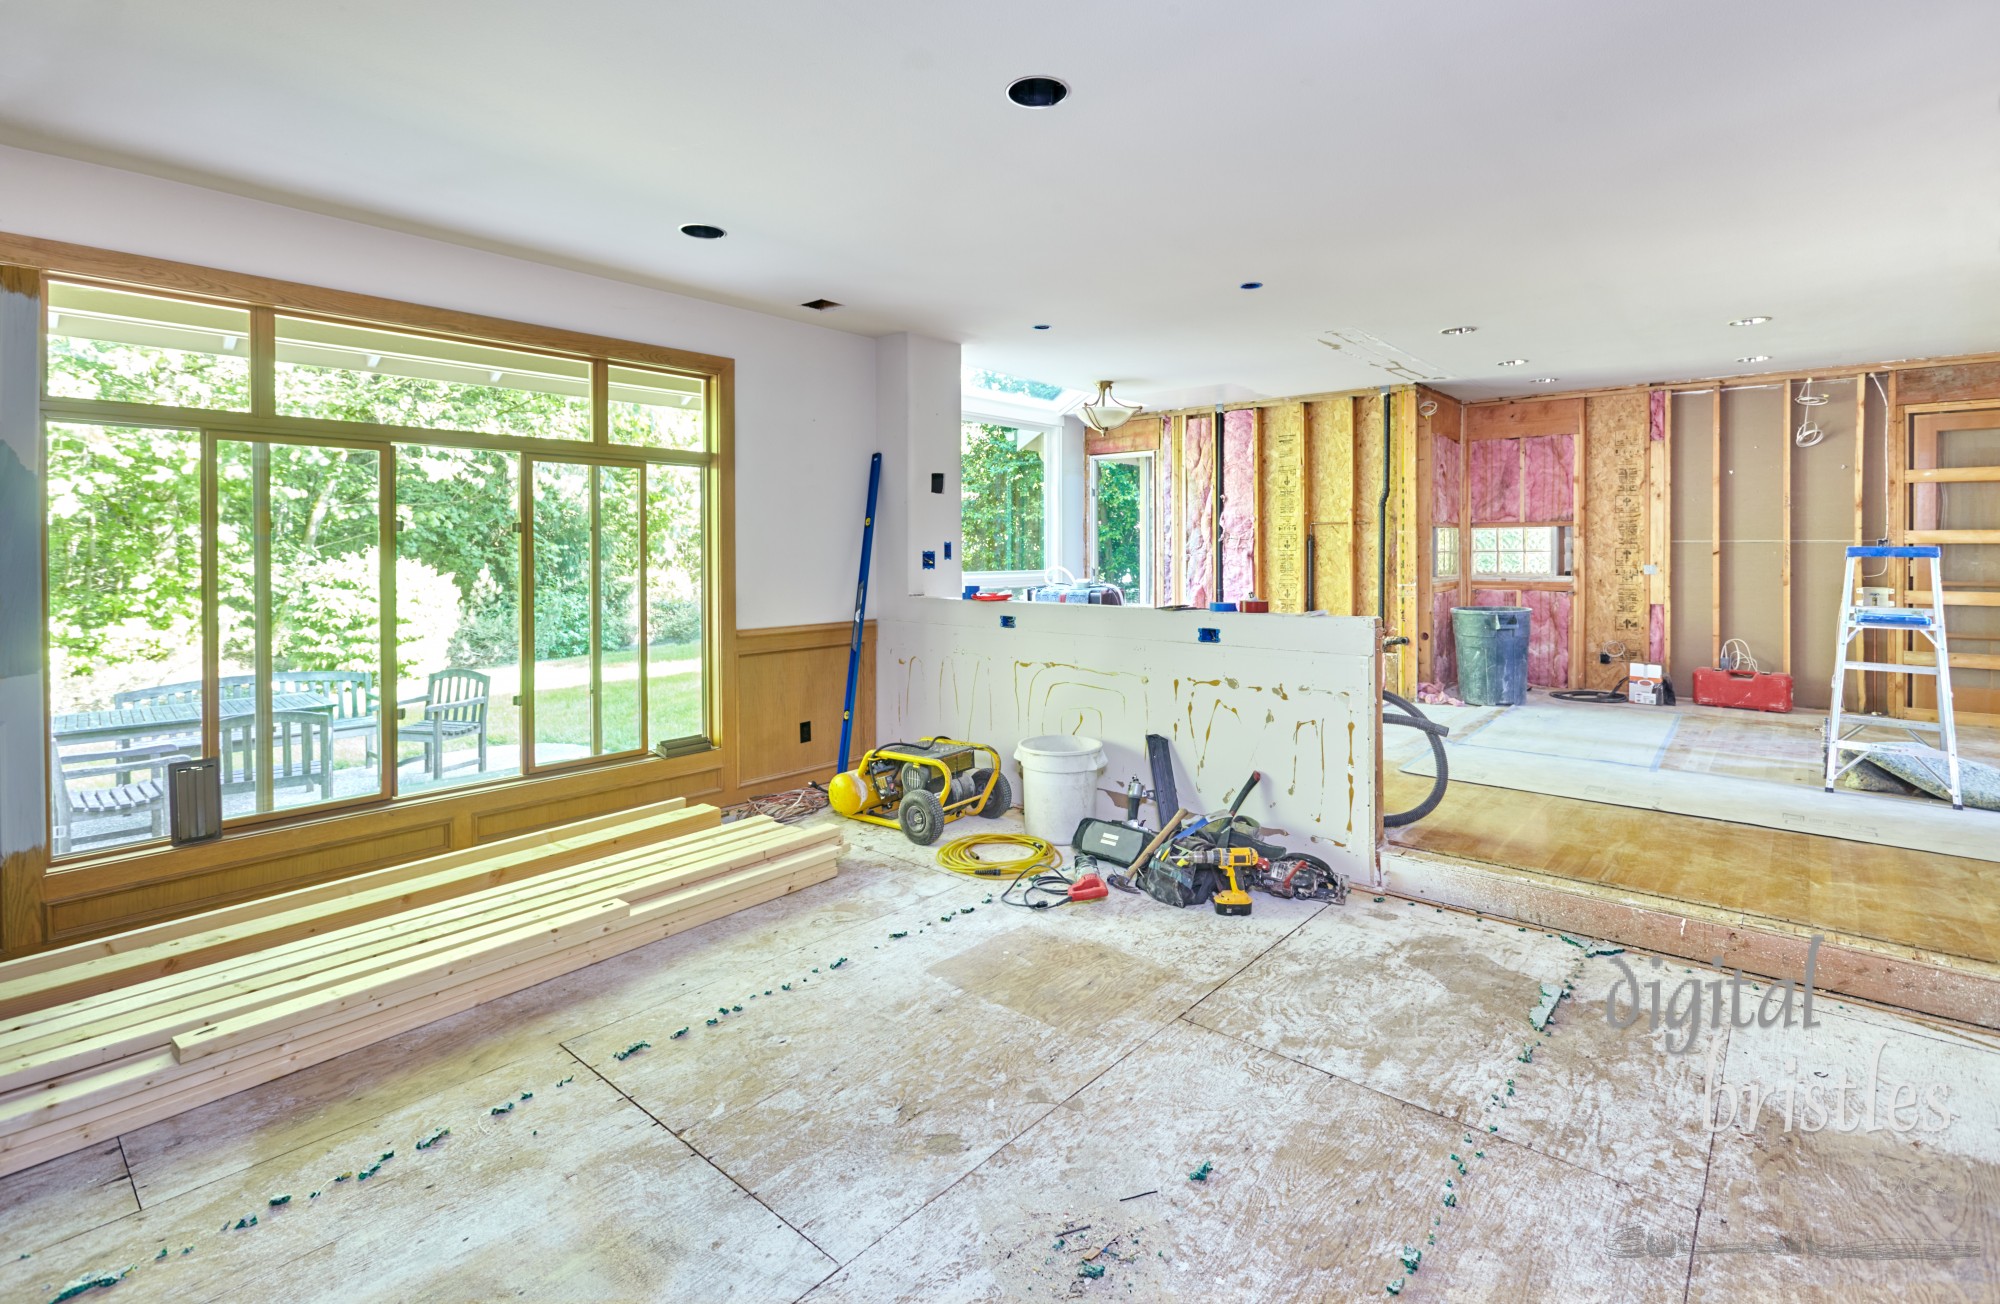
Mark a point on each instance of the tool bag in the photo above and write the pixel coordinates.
(1169, 879)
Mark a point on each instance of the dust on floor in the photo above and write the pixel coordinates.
(889, 1087)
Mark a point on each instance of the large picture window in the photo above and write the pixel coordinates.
(1003, 479)
(353, 561)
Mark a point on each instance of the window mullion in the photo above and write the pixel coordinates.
(263, 362)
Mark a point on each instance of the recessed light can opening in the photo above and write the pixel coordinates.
(1756, 357)
(1543, 380)
(1513, 362)
(1749, 321)
(1251, 285)
(1038, 92)
(1458, 330)
(703, 231)
(1041, 326)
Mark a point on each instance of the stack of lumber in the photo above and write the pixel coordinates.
(138, 1028)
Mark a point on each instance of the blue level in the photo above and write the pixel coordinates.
(860, 613)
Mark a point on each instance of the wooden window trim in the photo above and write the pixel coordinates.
(265, 298)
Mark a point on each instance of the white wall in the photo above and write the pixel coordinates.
(1291, 696)
(805, 394)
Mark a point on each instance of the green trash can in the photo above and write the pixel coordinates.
(1492, 654)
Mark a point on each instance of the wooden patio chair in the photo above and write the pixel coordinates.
(454, 706)
(354, 702)
(126, 795)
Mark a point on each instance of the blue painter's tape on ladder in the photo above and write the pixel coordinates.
(1930, 550)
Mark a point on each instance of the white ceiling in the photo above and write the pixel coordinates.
(1599, 187)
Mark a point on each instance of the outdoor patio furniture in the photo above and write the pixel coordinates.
(125, 796)
(301, 751)
(352, 693)
(454, 706)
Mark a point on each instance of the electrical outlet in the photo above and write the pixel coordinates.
(1207, 635)
(805, 731)
(947, 549)
(937, 482)
(930, 560)
(1006, 622)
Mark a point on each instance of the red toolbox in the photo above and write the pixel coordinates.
(1749, 690)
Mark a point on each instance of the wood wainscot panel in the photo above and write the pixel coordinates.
(790, 685)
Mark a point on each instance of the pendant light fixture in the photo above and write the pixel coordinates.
(1107, 413)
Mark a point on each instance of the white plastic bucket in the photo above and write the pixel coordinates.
(1058, 784)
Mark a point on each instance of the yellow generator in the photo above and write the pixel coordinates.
(926, 785)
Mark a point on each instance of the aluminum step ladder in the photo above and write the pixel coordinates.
(1855, 619)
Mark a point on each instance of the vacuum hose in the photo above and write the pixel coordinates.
(1412, 718)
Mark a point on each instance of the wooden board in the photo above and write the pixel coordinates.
(1616, 536)
(1330, 469)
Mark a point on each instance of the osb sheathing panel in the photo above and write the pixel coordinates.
(1282, 520)
(1822, 527)
(1330, 474)
(1754, 446)
(1690, 519)
(1617, 533)
(1406, 588)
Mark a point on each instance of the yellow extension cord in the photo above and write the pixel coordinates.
(961, 856)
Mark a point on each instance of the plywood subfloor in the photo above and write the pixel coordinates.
(1948, 905)
(986, 1105)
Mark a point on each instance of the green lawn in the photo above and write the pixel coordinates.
(562, 698)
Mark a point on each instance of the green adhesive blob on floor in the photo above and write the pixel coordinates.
(987, 901)
(343, 1177)
(736, 1009)
(786, 986)
(767, 991)
(1379, 900)
(277, 1200)
(441, 1133)
(634, 1049)
(1091, 1270)
(527, 1095)
(391, 1154)
(1201, 1174)
(966, 910)
(1411, 1257)
(1492, 1127)
(251, 1221)
(676, 1036)
(1451, 1199)
(837, 963)
(566, 1081)
(815, 971)
(722, 1009)
(713, 1021)
(161, 1255)
(1479, 1154)
(89, 1281)
(1395, 1287)
(894, 936)
(507, 1108)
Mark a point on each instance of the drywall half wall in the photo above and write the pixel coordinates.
(805, 411)
(1294, 697)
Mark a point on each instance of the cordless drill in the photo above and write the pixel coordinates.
(1232, 900)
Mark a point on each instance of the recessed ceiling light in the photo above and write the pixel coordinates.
(1251, 285)
(1458, 330)
(1041, 326)
(1756, 357)
(702, 231)
(1514, 362)
(1038, 92)
(1749, 321)
(1543, 380)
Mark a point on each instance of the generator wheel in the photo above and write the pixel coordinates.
(922, 817)
(999, 801)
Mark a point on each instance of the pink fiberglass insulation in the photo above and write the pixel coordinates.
(1548, 630)
(1549, 466)
(1239, 508)
(1496, 481)
(1198, 512)
(1657, 410)
(1444, 480)
(1168, 548)
(1656, 635)
(1444, 647)
(1548, 638)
